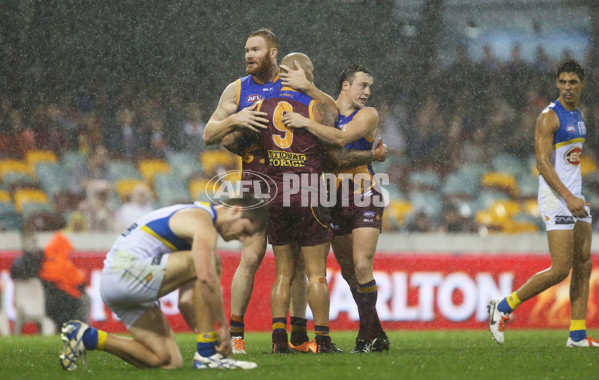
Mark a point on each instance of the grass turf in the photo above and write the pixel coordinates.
(539, 354)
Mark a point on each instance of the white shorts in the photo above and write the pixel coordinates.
(562, 219)
(130, 285)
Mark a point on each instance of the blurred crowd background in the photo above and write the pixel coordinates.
(102, 107)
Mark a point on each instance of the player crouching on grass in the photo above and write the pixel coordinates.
(170, 248)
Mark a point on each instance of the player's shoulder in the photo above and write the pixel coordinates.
(368, 112)
(548, 117)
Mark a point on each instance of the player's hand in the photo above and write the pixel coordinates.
(380, 151)
(294, 120)
(294, 78)
(251, 119)
(577, 207)
(224, 346)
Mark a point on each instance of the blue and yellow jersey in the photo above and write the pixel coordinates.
(249, 91)
(567, 152)
(363, 143)
(152, 236)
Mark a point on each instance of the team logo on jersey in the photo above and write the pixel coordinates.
(573, 156)
(369, 214)
(570, 128)
(254, 98)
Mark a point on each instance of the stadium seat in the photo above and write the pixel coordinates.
(395, 215)
(35, 156)
(16, 171)
(28, 198)
(587, 166)
(170, 189)
(213, 160)
(71, 160)
(150, 167)
(500, 181)
(487, 196)
(458, 186)
(124, 187)
(424, 181)
(183, 164)
(51, 177)
(10, 220)
(430, 202)
(507, 163)
(121, 169)
(198, 189)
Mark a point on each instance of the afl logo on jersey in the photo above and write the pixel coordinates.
(573, 156)
(254, 98)
(570, 128)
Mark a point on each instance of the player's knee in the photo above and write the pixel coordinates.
(251, 262)
(585, 266)
(363, 269)
(168, 360)
(560, 273)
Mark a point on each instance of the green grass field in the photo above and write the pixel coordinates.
(414, 355)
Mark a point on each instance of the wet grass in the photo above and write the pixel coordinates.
(539, 354)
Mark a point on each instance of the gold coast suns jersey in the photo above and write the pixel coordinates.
(151, 235)
(567, 151)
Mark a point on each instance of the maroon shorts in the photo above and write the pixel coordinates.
(308, 226)
(344, 219)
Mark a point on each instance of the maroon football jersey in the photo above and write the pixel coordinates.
(289, 151)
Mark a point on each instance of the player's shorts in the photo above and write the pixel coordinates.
(345, 219)
(562, 219)
(308, 226)
(130, 285)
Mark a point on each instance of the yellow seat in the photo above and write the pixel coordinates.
(214, 159)
(15, 166)
(124, 187)
(531, 207)
(150, 167)
(501, 181)
(5, 196)
(23, 196)
(504, 208)
(587, 165)
(34, 156)
(198, 189)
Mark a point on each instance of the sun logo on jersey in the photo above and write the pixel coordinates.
(572, 156)
(254, 98)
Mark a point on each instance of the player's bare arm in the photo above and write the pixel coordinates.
(196, 225)
(296, 79)
(231, 142)
(348, 158)
(363, 124)
(226, 119)
(546, 126)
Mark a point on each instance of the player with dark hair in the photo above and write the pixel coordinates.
(560, 132)
(170, 248)
(299, 154)
(356, 217)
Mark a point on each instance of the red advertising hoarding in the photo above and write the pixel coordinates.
(415, 291)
